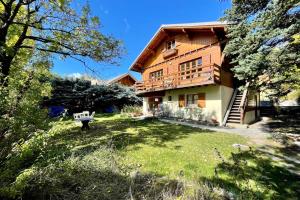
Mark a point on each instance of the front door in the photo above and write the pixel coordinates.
(154, 103)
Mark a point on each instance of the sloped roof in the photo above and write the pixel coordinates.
(160, 33)
(116, 79)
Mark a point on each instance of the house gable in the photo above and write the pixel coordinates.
(184, 33)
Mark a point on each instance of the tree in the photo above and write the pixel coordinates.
(264, 43)
(31, 32)
(77, 95)
(51, 26)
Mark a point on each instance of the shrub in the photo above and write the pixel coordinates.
(78, 95)
(133, 110)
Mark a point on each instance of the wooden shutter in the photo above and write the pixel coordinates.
(201, 100)
(181, 101)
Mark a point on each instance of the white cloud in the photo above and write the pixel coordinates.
(74, 75)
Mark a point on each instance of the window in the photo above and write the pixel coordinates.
(181, 100)
(191, 99)
(188, 69)
(196, 100)
(156, 75)
(171, 44)
(193, 63)
(190, 64)
(169, 98)
(199, 61)
(182, 67)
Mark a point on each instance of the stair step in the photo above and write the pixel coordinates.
(234, 117)
(233, 121)
(234, 114)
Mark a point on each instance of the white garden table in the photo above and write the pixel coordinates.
(84, 117)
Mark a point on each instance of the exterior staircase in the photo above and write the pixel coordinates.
(235, 114)
(234, 111)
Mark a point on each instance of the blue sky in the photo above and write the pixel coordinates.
(134, 22)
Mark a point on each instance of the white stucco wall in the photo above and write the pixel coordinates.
(217, 98)
(249, 117)
(145, 105)
(213, 104)
(226, 94)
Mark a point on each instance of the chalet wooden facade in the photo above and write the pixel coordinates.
(124, 79)
(183, 68)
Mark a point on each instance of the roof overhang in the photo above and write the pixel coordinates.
(164, 31)
(116, 79)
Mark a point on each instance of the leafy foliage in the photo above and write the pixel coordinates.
(65, 163)
(31, 32)
(264, 43)
(78, 95)
(52, 27)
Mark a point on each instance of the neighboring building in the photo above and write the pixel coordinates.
(124, 79)
(183, 69)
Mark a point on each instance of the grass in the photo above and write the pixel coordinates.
(117, 146)
(154, 146)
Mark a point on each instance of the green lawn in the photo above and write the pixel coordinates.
(99, 161)
(157, 147)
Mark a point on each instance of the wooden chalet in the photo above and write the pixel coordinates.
(183, 68)
(124, 79)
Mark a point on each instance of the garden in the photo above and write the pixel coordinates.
(122, 158)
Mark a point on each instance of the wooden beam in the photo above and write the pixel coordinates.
(138, 64)
(165, 32)
(187, 34)
(152, 52)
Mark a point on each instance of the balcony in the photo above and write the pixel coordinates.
(196, 76)
(169, 53)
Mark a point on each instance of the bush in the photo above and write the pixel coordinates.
(132, 110)
(78, 95)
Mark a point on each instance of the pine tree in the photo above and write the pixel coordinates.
(264, 43)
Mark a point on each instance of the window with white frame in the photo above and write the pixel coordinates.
(191, 99)
(171, 44)
(156, 75)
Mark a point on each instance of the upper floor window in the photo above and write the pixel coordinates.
(191, 69)
(171, 44)
(190, 64)
(156, 74)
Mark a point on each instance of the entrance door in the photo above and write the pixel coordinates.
(154, 102)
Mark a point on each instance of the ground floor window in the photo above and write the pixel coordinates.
(192, 100)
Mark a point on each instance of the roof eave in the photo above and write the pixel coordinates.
(175, 26)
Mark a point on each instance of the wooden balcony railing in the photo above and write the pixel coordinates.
(195, 76)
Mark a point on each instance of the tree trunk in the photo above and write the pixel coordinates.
(5, 67)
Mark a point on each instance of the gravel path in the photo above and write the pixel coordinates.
(255, 134)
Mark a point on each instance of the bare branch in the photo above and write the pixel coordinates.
(45, 28)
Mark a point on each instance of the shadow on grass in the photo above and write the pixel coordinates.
(283, 128)
(257, 175)
(67, 170)
(119, 133)
(79, 182)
